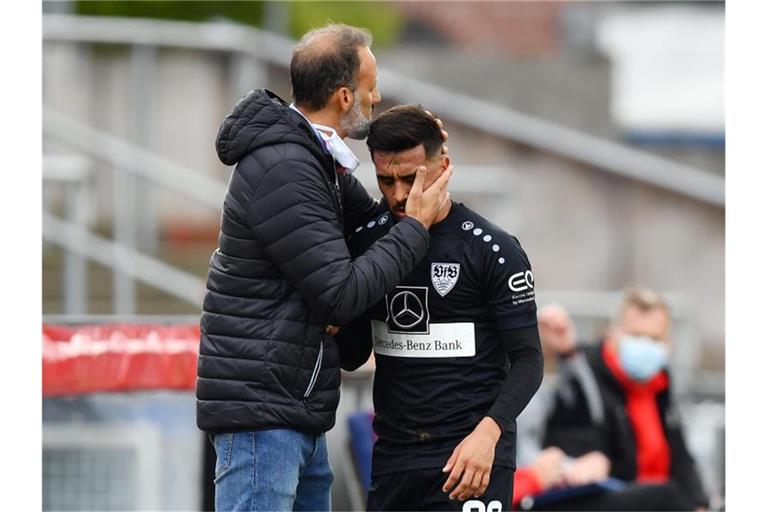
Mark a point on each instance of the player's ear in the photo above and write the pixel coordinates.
(446, 161)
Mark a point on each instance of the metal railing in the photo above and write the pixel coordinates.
(134, 160)
(131, 263)
(71, 172)
(128, 162)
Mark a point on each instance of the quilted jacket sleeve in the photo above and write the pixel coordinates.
(292, 216)
(359, 206)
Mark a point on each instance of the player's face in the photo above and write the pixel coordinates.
(653, 323)
(395, 173)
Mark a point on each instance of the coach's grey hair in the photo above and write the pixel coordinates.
(324, 60)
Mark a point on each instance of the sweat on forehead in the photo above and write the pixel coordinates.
(410, 158)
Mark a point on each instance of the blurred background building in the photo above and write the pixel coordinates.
(593, 131)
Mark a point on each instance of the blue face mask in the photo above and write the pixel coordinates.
(642, 357)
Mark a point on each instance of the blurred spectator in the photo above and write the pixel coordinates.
(614, 398)
(552, 468)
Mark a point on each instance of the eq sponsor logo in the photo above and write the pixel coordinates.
(521, 281)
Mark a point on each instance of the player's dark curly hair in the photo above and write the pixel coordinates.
(405, 127)
(318, 70)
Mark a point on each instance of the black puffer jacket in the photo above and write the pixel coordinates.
(282, 272)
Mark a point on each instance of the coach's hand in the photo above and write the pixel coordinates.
(471, 462)
(443, 132)
(425, 204)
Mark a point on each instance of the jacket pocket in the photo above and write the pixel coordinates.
(315, 371)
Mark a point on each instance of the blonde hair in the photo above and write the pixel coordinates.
(642, 298)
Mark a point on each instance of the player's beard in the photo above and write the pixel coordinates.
(398, 211)
(354, 123)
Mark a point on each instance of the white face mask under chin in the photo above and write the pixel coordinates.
(338, 149)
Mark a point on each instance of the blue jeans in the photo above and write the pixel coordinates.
(276, 469)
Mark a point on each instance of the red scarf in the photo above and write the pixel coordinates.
(653, 457)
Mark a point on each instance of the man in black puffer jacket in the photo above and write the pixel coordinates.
(268, 372)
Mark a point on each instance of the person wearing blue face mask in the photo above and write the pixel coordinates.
(642, 357)
(614, 398)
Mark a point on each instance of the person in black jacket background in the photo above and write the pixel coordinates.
(615, 398)
(268, 372)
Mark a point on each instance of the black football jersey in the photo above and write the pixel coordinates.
(440, 361)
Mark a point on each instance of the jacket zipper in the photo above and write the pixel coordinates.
(315, 371)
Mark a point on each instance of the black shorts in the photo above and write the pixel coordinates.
(422, 489)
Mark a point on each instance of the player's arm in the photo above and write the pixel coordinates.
(511, 297)
(526, 371)
(474, 455)
(509, 291)
(355, 343)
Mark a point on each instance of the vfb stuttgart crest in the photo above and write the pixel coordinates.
(444, 277)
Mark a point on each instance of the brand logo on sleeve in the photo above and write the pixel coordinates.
(444, 277)
(521, 281)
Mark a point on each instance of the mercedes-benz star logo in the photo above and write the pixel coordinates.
(407, 310)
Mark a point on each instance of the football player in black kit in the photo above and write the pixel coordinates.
(456, 343)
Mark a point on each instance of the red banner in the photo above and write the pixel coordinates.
(102, 358)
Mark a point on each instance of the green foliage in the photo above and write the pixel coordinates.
(250, 12)
(382, 18)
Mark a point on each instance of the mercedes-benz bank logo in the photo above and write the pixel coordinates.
(407, 310)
